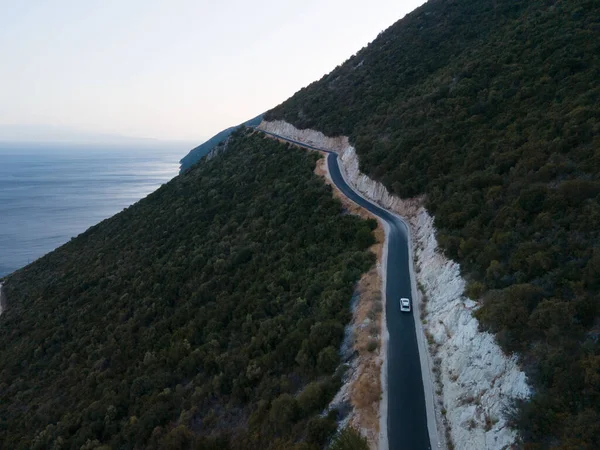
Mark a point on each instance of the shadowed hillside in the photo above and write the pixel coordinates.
(207, 315)
(491, 109)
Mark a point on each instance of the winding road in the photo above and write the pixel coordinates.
(407, 416)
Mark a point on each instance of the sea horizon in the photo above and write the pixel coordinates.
(51, 192)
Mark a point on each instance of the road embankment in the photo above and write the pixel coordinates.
(469, 382)
(363, 384)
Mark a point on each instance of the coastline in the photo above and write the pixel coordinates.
(51, 193)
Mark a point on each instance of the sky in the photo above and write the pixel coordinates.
(171, 70)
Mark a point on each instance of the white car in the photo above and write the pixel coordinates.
(404, 305)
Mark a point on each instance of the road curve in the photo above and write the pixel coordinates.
(407, 417)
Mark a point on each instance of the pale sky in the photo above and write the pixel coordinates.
(177, 69)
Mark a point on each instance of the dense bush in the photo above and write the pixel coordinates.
(349, 439)
(492, 109)
(204, 316)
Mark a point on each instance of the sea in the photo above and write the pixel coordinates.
(50, 193)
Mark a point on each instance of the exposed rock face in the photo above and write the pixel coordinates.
(217, 150)
(477, 380)
(310, 137)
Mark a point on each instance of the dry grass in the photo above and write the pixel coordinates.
(365, 392)
(321, 168)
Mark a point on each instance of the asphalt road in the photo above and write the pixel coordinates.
(407, 417)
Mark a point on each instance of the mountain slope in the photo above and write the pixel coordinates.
(197, 153)
(193, 319)
(491, 109)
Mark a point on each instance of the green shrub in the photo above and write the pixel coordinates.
(349, 439)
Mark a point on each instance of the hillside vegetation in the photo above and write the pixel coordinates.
(491, 108)
(208, 315)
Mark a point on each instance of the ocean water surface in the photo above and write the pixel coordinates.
(50, 193)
